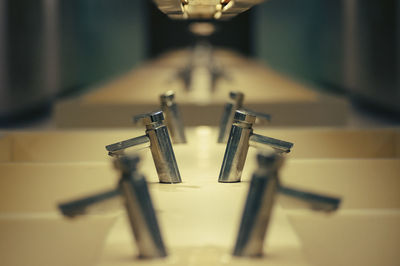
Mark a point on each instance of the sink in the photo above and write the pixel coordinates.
(38, 187)
(60, 146)
(365, 231)
(199, 218)
(38, 239)
(363, 183)
(88, 145)
(350, 237)
(32, 232)
(339, 142)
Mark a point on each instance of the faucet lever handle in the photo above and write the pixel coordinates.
(117, 149)
(281, 146)
(316, 202)
(100, 201)
(260, 116)
(148, 118)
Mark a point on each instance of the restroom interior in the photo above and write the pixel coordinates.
(73, 75)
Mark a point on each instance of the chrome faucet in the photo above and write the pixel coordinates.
(157, 138)
(264, 186)
(240, 138)
(235, 103)
(132, 187)
(173, 117)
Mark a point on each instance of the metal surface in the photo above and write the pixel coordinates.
(140, 210)
(204, 9)
(133, 189)
(261, 117)
(90, 204)
(238, 145)
(119, 148)
(259, 141)
(173, 117)
(160, 146)
(235, 102)
(308, 199)
(260, 200)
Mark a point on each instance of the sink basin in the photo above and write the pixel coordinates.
(60, 146)
(362, 183)
(38, 239)
(88, 145)
(38, 187)
(350, 237)
(340, 143)
(32, 232)
(365, 231)
(199, 218)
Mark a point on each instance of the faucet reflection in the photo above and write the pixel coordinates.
(133, 189)
(260, 200)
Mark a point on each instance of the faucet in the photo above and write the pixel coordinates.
(264, 186)
(235, 103)
(157, 138)
(240, 138)
(132, 187)
(201, 58)
(173, 117)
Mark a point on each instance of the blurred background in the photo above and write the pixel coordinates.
(52, 49)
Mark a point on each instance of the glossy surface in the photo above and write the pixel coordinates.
(160, 146)
(200, 217)
(173, 118)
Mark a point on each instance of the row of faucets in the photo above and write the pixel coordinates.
(264, 184)
(236, 129)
